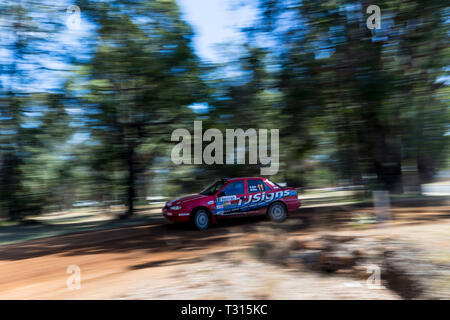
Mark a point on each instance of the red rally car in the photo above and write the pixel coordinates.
(233, 197)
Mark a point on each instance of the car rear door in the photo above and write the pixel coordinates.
(257, 191)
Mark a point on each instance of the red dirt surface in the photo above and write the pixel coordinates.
(115, 262)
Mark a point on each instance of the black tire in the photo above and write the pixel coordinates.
(277, 212)
(201, 220)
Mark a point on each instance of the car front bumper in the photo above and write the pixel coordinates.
(175, 216)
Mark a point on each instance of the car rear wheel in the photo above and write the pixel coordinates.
(201, 220)
(277, 212)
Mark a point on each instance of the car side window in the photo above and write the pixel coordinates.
(234, 188)
(257, 185)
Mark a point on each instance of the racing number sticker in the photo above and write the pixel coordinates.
(256, 188)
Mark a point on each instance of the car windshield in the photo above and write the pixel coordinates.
(212, 189)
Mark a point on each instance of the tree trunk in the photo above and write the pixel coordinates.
(10, 185)
(131, 190)
(388, 162)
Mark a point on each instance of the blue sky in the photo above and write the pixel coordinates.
(216, 25)
(216, 22)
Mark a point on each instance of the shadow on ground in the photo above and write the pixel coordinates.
(152, 234)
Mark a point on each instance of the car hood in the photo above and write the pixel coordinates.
(185, 199)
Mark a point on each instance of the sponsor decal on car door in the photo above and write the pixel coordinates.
(229, 200)
(260, 196)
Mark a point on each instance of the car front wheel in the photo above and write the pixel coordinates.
(201, 220)
(277, 212)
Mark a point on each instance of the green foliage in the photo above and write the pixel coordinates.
(138, 86)
(350, 102)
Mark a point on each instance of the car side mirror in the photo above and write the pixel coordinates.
(221, 194)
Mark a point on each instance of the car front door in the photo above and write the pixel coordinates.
(230, 198)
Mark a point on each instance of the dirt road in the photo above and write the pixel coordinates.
(163, 261)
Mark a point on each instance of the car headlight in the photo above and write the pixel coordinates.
(175, 208)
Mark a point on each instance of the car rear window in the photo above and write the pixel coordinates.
(257, 185)
(273, 184)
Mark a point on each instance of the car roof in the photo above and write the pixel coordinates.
(241, 178)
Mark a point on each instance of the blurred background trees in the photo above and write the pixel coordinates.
(33, 124)
(137, 87)
(377, 94)
(353, 105)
